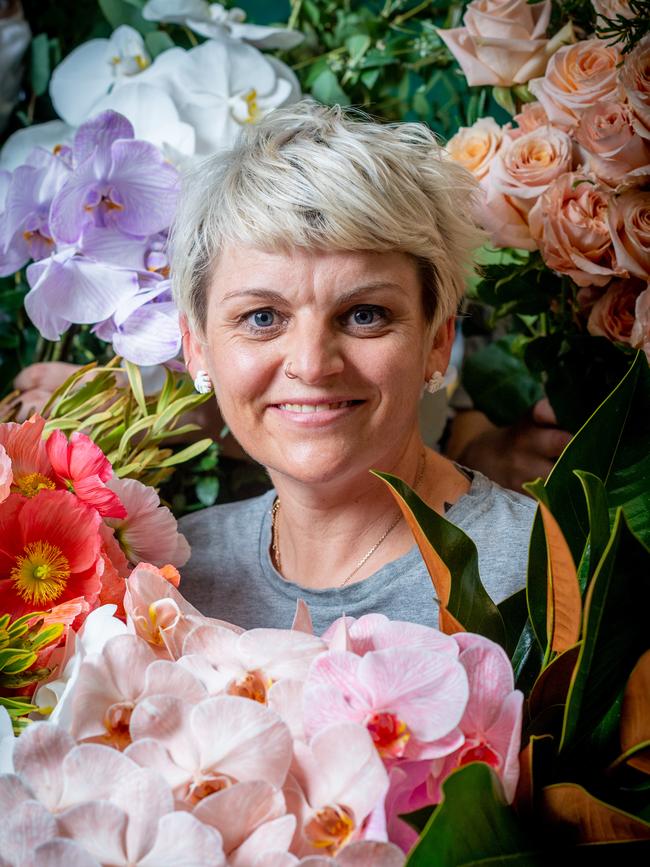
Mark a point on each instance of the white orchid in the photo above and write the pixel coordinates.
(213, 20)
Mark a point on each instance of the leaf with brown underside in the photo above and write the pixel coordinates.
(593, 821)
(552, 685)
(635, 714)
(567, 602)
(535, 768)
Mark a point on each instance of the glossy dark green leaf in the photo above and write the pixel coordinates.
(473, 825)
(469, 601)
(326, 89)
(514, 612)
(615, 632)
(119, 12)
(39, 71)
(599, 528)
(158, 41)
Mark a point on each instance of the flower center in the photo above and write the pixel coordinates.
(389, 734)
(40, 574)
(330, 828)
(116, 723)
(203, 788)
(481, 752)
(250, 99)
(251, 686)
(32, 483)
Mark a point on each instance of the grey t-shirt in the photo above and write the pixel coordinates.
(231, 575)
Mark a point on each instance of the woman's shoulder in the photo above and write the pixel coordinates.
(230, 522)
(486, 501)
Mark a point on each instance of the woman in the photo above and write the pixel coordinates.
(318, 267)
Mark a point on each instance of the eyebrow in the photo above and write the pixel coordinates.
(344, 298)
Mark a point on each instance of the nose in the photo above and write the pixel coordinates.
(313, 352)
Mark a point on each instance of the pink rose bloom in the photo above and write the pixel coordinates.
(520, 172)
(577, 76)
(640, 336)
(531, 117)
(569, 224)
(502, 43)
(635, 81)
(613, 314)
(609, 144)
(474, 146)
(629, 223)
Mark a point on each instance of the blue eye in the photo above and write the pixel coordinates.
(263, 318)
(368, 315)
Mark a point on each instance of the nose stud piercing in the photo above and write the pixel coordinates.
(287, 371)
(202, 382)
(435, 383)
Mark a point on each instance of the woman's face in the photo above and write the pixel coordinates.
(351, 329)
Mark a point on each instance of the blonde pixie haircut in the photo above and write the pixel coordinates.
(320, 178)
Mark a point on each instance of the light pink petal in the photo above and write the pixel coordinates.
(167, 678)
(13, 790)
(395, 633)
(490, 677)
(339, 670)
(236, 811)
(182, 839)
(38, 755)
(505, 737)
(167, 720)
(427, 691)
(62, 853)
(252, 741)
(302, 618)
(274, 836)
(150, 754)
(366, 853)
(276, 859)
(23, 829)
(461, 45)
(214, 681)
(327, 705)
(126, 658)
(91, 772)
(337, 635)
(144, 796)
(279, 653)
(317, 861)
(286, 699)
(100, 827)
(216, 644)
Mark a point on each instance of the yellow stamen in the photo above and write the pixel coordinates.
(252, 686)
(330, 828)
(32, 484)
(250, 99)
(40, 574)
(141, 61)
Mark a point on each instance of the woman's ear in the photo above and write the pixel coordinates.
(441, 346)
(192, 347)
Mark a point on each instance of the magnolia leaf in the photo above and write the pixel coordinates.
(635, 713)
(473, 824)
(514, 612)
(564, 602)
(552, 686)
(593, 820)
(615, 632)
(535, 767)
(599, 529)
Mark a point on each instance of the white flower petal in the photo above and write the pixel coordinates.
(46, 135)
(80, 81)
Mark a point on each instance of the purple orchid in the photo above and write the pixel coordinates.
(24, 223)
(118, 182)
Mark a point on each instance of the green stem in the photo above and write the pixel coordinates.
(191, 36)
(312, 60)
(414, 11)
(296, 6)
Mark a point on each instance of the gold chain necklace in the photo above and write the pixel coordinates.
(275, 533)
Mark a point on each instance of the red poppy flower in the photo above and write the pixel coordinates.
(49, 552)
(31, 468)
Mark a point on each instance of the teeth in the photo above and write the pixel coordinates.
(310, 407)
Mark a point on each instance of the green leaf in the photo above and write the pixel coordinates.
(326, 89)
(357, 46)
(473, 825)
(500, 384)
(207, 490)
(47, 635)
(158, 41)
(469, 602)
(187, 453)
(119, 12)
(39, 71)
(135, 381)
(613, 446)
(599, 528)
(13, 661)
(503, 97)
(514, 612)
(615, 632)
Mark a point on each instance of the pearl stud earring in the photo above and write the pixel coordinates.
(202, 382)
(435, 383)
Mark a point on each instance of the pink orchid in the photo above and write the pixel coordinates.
(204, 749)
(408, 791)
(110, 687)
(251, 818)
(25, 826)
(6, 474)
(336, 782)
(377, 632)
(492, 719)
(410, 699)
(250, 663)
(149, 531)
(158, 613)
(81, 466)
(364, 853)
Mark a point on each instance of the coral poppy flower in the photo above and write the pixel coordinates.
(49, 552)
(6, 474)
(83, 468)
(30, 465)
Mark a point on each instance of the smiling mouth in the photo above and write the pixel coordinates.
(317, 407)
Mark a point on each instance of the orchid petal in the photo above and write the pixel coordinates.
(92, 771)
(144, 797)
(12, 791)
(238, 809)
(100, 827)
(23, 829)
(59, 851)
(80, 80)
(182, 839)
(21, 143)
(149, 753)
(151, 335)
(272, 836)
(96, 136)
(38, 756)
(367, 853)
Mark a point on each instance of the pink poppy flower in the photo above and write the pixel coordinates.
(148, 532)
(110, 687)
(250, 663)
(49, 552)
(410, 699)
(82, 466)
(24, 445)
(204, 749)
(336, 782)
(491, 723)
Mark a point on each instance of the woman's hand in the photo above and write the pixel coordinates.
(511, 455)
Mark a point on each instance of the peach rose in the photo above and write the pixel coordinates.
(635, 81)
(577, 76)
(612, 316)
(640, 336)
(531, 117)
(609, 145)
(502, 43)
(569, 224)
(475, 146)
(628, 218)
